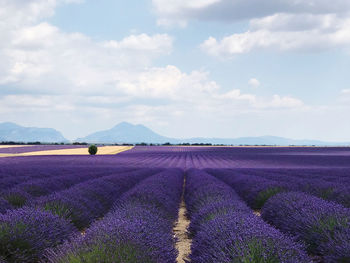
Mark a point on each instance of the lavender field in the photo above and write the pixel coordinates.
(36, 148)
(242, 204)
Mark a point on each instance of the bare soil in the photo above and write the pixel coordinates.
(183, 243)
(257, 213)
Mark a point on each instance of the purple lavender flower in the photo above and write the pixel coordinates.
(17, 198)
(35, 148)
(338, 247)
(253, 189)
(224, 229)
(90, 200)
(329, 184)
(25, 234)
(206, 197)
(132, 235)
(241, 237)
(4, 206)
(322, 225)
(138, 229)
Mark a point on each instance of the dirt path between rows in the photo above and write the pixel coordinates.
(183, 244)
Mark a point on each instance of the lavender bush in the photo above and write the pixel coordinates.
(207, 197)
(333, 189)
(253, 189)
(322, 225)
(26, 232)
(138, 229)
(240, 237)
(90, 200)
(225, 230)
(22, 193)
(337, 249)
(36, 148)
(4, 206)
(19, 195)
(16, 198)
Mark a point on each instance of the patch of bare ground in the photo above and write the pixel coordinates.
(183, 242)
(257, 213)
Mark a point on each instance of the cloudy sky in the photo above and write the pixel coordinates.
(213, 68)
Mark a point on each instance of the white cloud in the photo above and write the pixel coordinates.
(160, 43)
(181, 11)
(296, 22)
(345, 97)
(71, 77)
(254, 83)
(252, 102)
(283, 32)
(236, 95)
(16, 13)
(168, 83)
(285, 102)
(177, 6)
(47, 58)
(288, 25)
(174, 9)
(40, 58)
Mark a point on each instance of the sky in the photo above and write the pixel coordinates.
(199, 68)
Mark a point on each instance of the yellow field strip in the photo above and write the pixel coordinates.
(14, 146)
(104, 150)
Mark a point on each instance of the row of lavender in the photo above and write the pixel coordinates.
(17, 191)
(209, 157)
(224, 229)
(137, 229)
(36, 148)
(324, 226)
(258, 185)
(241, 157)
(49, 220)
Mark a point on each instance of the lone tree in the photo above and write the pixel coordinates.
(92, 149)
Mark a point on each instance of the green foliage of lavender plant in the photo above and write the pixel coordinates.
(263, 196)
(25, 233)
(16, 199)
(121, 253)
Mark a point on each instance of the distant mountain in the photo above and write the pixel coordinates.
(129, 133)
(12, 132)
(125, 133)
(262, 140)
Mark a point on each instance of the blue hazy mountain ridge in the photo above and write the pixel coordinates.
(128, 133)
(12, 132)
